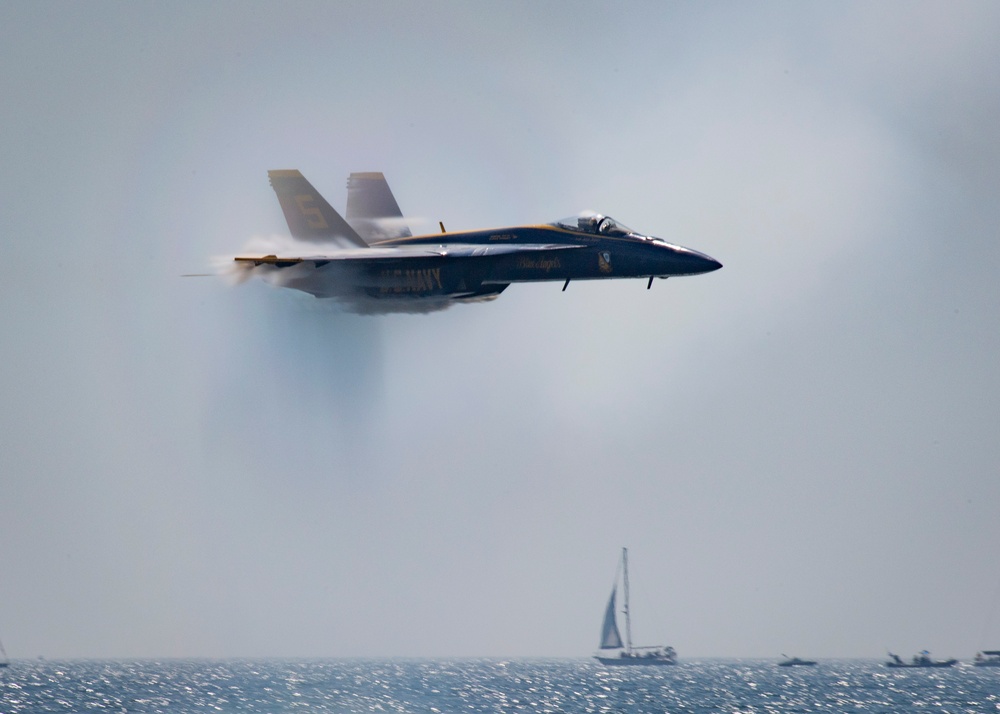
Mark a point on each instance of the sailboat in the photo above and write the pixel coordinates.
(5, 662)
(611, 638)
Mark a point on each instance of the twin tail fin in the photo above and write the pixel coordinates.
(310, 217)
(372, 209)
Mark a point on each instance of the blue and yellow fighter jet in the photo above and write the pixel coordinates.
(372, 256)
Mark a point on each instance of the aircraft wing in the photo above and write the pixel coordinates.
(405, 271)
(403, 253)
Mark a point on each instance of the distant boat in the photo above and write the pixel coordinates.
(611, 638)
(987, 658)
(919, 660)
(5, 662)
(796, 662)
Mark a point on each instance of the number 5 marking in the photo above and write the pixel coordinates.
(313, 215)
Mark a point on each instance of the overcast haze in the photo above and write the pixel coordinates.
(800, 449)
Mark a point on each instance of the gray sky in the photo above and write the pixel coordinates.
(800, 450)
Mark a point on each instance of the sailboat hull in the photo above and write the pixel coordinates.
(639, 661)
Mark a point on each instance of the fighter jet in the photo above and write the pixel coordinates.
(371, 256)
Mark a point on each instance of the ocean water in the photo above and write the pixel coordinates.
(431, 686)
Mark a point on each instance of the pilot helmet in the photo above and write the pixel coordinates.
(590, 222)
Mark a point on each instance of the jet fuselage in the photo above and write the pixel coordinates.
(580, 256)
(463, 265)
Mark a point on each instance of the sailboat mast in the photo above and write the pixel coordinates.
(628, 615)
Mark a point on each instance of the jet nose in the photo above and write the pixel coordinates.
(678, 260)
(711, 263)
(701, 263)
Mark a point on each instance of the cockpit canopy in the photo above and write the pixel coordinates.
(594, 223)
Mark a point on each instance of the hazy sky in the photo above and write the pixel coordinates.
(800, 450)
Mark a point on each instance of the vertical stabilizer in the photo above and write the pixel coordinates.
(309, 216)
(372, 209)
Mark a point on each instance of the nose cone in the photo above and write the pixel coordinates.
(707, 262)
(672, 259)
(694, 263)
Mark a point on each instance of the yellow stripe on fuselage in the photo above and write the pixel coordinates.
(454, 236)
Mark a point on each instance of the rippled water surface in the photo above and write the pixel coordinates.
(489, 686)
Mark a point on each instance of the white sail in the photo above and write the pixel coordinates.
(610, 637)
